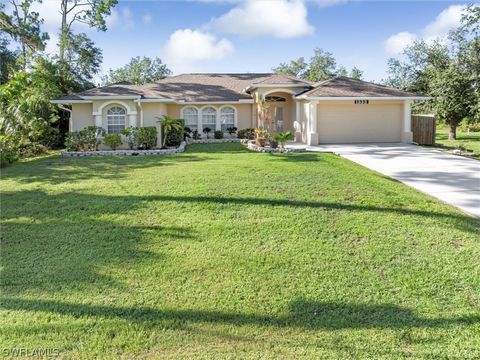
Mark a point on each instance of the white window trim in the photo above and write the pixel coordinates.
(125, 115)
(122, 103)
(235, 114)
(217, 118)
(198, 115)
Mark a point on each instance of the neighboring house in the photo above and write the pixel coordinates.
(340, 110)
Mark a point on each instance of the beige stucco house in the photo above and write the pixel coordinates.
(340, 110)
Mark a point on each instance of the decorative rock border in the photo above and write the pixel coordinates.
(214, 141)
(252, 146)
(179, 149)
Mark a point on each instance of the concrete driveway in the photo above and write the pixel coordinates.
(450, 178)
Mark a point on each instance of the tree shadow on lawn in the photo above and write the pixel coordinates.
(61, 241)
(303, 314)
(297, 157)
(55, 240)
(57, 170)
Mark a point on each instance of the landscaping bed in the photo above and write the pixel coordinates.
(268, 149)
(125, 152)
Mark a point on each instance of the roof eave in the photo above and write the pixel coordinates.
(317, 98)
(70, 101)
(113, 97)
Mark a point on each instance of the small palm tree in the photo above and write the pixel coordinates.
(264, 112)
(283, 137)
(169, 123)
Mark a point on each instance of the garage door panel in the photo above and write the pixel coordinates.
(349, 123)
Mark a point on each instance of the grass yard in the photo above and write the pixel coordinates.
(466, 141)
(223, 253)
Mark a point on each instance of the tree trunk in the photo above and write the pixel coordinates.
(63, 30)
(452, 135)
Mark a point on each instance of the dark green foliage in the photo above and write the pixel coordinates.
(322, 66)
(147, 137)
(9, 150)
(196, 135)
(131, 134)
(187, 132)
(174, 137)
(138, 71)
(448, 72)
(232, 130)
(248, 133)
(87, 139)
(172, 130)
(23, 26)
(113, 141)
(207, 131)
(218, 134)
(8, 61)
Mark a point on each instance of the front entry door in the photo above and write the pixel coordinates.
(278, 119)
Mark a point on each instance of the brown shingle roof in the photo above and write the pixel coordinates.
(283, 79)
(123, 88)
(348, 87)
(191, 87)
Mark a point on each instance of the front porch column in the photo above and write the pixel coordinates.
(98, 120)
(132, 120)
(217, 121)
(312, 138)
(298, 123)
(407, 135)
(199, 123)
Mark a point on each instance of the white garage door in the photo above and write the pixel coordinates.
(347, 122)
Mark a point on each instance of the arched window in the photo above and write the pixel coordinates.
(275, 99)
(116, 119)
(209, 118)
(190, 116)
(227, 118)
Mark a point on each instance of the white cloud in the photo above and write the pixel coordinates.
(147, 19)
(325, 3)
(395, 44)
(438, 29)
(120, 18)
(186, 48)
(448, 19)
(280, 18)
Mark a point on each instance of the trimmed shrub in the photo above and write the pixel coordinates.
(196, 135)
(147, 137)
(187, 132)
(174, 137)
(131, 134)
(248, 133)
(231, 130)
(113, 141)
(218, 134)
(207, 131)
(84, 140)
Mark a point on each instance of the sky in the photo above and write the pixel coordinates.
(257, 35)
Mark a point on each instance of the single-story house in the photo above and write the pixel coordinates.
(339, 110)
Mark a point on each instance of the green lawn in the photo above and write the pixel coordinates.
(466, 141)
(223, 253)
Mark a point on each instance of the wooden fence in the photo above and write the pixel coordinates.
(423, 128)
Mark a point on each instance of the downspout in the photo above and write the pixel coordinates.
(141, 112)
(70, 122)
